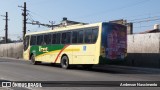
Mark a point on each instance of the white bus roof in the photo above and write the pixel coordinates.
(70, 27)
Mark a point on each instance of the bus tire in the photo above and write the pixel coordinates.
(33, 62)
(65, 62)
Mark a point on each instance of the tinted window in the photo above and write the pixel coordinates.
(58, 37)
(63, 38)
(88, 36)
(54, 38)
(66, 37)
(74, 36)
(47, 39)
(94, 35)
(80, 36)
(40, 40)
(33, 40)
(26, 42)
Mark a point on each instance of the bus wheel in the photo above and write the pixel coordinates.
(33, 60)
(65, 62)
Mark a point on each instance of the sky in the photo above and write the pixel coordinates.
(143, 13)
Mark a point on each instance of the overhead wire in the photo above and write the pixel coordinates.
(143, 26)
(113, 10)
(30, 17)
(150, 17)
(39, 15)
(149, 14)
(138, 20)
(147, 20)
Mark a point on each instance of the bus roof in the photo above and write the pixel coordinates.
(70, 27)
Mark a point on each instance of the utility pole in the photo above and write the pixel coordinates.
(6, 27)
(24, 20)
(24, 14)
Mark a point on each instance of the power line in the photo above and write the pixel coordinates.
(33, 22)
(39, 15)
(113, 10)
(143, 26)
(138, 19)
(147, 20)
(1, 30)
(30, 17)
(149, 15)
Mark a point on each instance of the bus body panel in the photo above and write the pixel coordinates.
(84, 54)
(77, 54)
(46, 53)
(26, 49)
(26, 54)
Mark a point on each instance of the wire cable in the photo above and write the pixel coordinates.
(113, 10)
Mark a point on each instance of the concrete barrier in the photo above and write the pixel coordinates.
(143, 50)
(144, 43)
(14, 50)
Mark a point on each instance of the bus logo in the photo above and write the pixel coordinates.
(84, 48)
(43, 49)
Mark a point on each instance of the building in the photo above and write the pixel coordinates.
(66, 22)
(156, 29)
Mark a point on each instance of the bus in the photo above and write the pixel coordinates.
(85, 45)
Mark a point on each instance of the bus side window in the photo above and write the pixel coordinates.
(40, 40)
(94, 35)
(64, 37)
(74, 36)
(68, 38)
(88, 36)
(58, 38)
(54, 38)
(80, 36)
(26, 42)
(47, 39)
(33, 40)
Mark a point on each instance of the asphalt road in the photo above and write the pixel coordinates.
(20, 70)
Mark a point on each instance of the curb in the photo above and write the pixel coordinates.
(130, 69)
(11, 58)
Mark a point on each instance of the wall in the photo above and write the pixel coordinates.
(143, 50)
(13, 50)
(144, 43)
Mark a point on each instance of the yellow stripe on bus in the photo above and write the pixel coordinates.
(56, 51)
